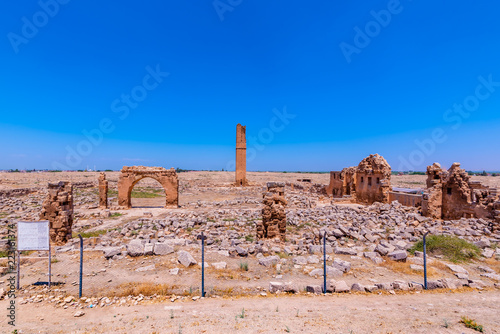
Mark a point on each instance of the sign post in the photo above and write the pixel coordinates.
(33, 236)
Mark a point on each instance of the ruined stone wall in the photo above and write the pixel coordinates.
(452, 195)
(336, 186)
(273, 224)
(349, 176)
(131, 175)
(432, 202)
(342, 183)
(58, 210)
(103, 191)
(241, 156)
(413, 200)
(457, 194)
(373, 180)
(16, 192)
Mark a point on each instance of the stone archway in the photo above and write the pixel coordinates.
(131, 175)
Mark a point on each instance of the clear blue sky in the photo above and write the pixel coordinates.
(354, 78)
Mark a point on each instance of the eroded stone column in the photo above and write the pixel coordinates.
(103, 191)
(58, 210)
(273, 223)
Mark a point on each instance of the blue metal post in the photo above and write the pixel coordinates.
(81, 266)
(202, 265)
(425, 262)
(324, 262)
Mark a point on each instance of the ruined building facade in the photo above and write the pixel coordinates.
(58, 210)
(451, 194)
(367, 183)
(273, 224)
(241, 155)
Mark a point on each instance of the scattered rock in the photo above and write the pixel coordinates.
(314, 289)
(269, 260)
(219, 265)
(162, 249)
(341, 286)
(135, 248)
(146, 268)
(399, 255)
(79, 314)
(185, 258)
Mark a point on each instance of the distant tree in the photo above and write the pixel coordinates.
(484, 173)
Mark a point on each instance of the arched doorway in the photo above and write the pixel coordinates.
(130, 176)
(147, 193)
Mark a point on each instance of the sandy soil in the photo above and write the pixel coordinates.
(402, 313)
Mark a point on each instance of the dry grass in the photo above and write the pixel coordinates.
(225, 274)
(493, 264)
(439, 265)
(145, 289)
(404, 268)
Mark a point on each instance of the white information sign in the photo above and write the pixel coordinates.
(33, 235)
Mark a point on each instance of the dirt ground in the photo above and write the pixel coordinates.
(232, 212)
(430, 312)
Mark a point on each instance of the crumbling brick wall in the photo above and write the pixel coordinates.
(103, 191)
(273, 224)
(58, 210)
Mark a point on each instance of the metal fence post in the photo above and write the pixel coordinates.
(50, 264)
(425, 262)
(324, 262)
(81, 266)
(202, 265)
(18, 269)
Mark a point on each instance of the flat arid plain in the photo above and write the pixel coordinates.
(252, 285)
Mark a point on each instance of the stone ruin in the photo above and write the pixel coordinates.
(451, 194)
(367, 183)
(273, 224)
(58, 210)
(131, 175)
(241, 156)
(373, 180)
(103, 191)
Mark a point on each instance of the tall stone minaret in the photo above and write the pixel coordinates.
(241, 155)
